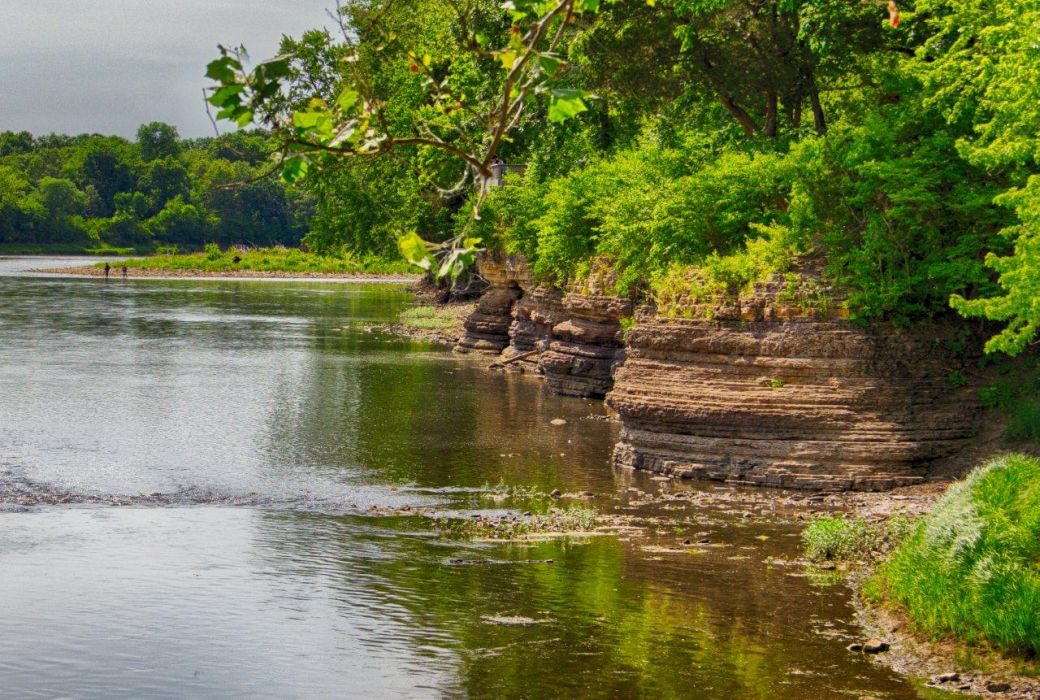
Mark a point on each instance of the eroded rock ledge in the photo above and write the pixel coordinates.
(578, 332)
(763, 392)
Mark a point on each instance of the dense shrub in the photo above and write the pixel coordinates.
(971, 567)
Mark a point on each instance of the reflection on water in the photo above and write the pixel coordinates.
(282, 396)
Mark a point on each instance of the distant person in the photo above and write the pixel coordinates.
(124, 272)
(108, 269)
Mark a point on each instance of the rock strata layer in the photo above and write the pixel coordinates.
(586, 346)
(578, 333)
(774, 388)
(796, 403)
(487, 328)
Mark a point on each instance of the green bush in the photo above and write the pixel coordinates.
(972, 567)
(1017, 393)
(212, 251)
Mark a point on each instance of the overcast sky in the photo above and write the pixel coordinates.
(107, 66)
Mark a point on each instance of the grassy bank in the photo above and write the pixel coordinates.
(281, 260)
(971, 569)
(964, 579)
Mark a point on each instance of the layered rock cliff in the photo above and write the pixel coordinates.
(772, 389)
(487, 328)
(775, 397)
(587, 345)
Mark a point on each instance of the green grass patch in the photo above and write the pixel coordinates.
(278, 259)
(110, 251)
(971, 569)
(428, 318)
(840, 538)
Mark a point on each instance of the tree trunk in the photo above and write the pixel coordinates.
(817, 108)
(743, 118)
(769, 128)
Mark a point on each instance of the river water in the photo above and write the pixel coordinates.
(202, 488)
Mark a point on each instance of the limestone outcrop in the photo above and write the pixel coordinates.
(487, 328)
(793, 402)
(773, 388)
(587, 345)
(578, 333)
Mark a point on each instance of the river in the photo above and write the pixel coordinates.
(195, 481)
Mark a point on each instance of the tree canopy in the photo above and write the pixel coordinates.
(158, 191)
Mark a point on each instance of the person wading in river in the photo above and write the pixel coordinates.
(124, 273)
(108, 268)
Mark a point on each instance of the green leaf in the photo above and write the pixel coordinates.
(507, 58)
(275, 68)
(226, 95)
(415, 251)
(347, 99)
(222, 70)
(549, 64)
(566, 104)
(294, 169)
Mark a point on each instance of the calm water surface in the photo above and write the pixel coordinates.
(248, 428)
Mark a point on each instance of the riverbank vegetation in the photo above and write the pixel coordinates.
(840, 538)
(969, 569)
(274, 259)
(962, 577)
(690, 148)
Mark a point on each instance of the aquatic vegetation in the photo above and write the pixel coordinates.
(834, 537)
(558, 521)
(970, 568)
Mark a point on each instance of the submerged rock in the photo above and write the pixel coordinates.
(875, 646)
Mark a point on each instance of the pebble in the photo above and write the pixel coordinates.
(948, 678)
(557, 421)
(998, 687)
(855, 647)
(555, 493)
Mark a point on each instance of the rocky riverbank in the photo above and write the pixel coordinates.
(772, 388)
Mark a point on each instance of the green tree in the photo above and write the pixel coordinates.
(158, 140)
(13, 143)
(981, 66)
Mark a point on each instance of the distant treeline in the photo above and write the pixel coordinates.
(160, 190)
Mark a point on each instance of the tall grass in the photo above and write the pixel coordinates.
(972, 567)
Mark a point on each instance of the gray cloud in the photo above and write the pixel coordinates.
(108, 66)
